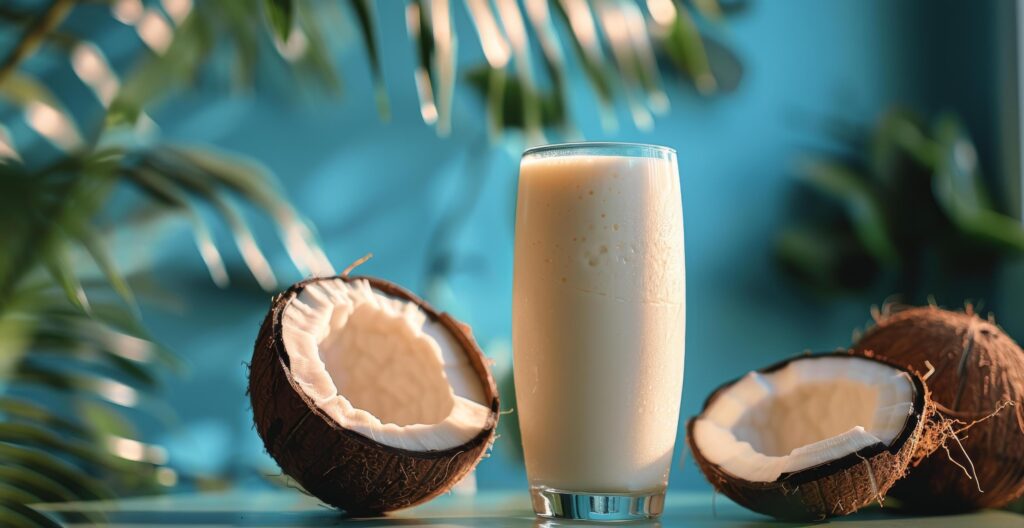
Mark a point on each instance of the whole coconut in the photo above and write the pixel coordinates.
(977, 370)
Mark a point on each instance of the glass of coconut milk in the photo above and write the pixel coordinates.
(598, 326)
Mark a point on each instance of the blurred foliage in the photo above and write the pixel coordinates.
(78, 369)
(908, 211)
(642, 38)
(80, 175)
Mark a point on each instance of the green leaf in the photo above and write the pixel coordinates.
(958, 163)
(253, 257)
(899, 134)
(161, 188)
(82, 384)
(496, 88)
(279, 16)
(511, 112)
(246, 176)
(94, 244)
(90, 353)
(113, 330)
(32, 412)
(444, 67)
(11, 493)
(84, 486)
(104, 420)
(16, 515)
(685, 47)
(120, 319)
(960, 191)
(77, 383)
(58, 261)
(627, 58)
(863, 208)
(110, 314)
(201, 179)
(421, 33)
(22, 89)
(317, 62)
(30, 435)
(253, 182)
(589, 55)
(43, 488)
(158, 75)
(364, 16)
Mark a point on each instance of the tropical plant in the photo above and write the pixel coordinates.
(79, 175)
(904, 208)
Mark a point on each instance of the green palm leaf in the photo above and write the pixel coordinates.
(685, 46)
(960, 190)
(91, 240)
(23, 89)
(862, 206)
(40, 487)
(156, 185)
(579, 19)
(78, 481)
(198, 181)
(76, 383)
(139, 376)
(364, 16)
(280, 14)
(17, 515)
(58, 262)
(35, 413)
(114, 331)
(253, 182)
(92, 455)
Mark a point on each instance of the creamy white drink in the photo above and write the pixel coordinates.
(598, 321)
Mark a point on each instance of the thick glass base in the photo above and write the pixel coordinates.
(561, 504)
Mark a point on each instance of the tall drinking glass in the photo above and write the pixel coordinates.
(598, 325)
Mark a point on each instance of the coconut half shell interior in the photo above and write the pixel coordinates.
(805, 414)
(378, 366)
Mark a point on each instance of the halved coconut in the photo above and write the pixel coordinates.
(367, 397)
(812, 436)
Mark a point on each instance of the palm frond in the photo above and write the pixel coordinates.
(280, 14)
(65, 342)
(364, 11)
(914, 208)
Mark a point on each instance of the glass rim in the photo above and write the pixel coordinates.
(600, 146)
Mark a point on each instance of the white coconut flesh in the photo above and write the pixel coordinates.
(378, 366)
(809, 412)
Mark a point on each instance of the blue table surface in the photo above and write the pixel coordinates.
(485, 509)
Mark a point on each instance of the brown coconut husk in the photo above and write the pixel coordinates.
(340, 467)
(976, 377)
(839, 487)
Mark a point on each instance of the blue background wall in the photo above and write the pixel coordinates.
(385, 187)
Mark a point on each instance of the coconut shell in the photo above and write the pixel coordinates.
(341, 467)
(839, 487)
(977, 370)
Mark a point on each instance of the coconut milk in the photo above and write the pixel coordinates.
(598, 317)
